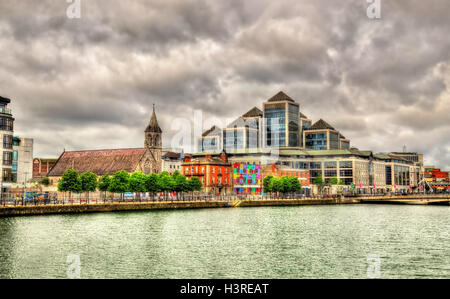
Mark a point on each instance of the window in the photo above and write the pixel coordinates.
(7, 141)
(315, 165)
(7, 158)
(346, 164)
(14, 166)
(330, 173)
(7, 175)
(346, 172)
(6, 124)
(330, 165)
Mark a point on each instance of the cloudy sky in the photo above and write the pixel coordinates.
(91, 82)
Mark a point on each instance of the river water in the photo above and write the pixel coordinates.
(342, 241)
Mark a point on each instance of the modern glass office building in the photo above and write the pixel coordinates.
(282, 121)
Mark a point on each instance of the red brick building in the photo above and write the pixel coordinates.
(214, 173)
(279, 171)
(42, 166)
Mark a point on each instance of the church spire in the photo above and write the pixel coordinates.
(153, 125)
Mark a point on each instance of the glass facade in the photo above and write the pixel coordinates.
(388, 175)
(233, 139)
(316, 141)
(252, 138)
(345, 145)
(208, 144)
(275, 126)
(401, 175)
(334, 140)
(293, 122)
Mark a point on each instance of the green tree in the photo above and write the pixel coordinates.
(70, 182)
(334, 181)
(103, 183)
(267, 184)
(88, 183)
(175, 174)
(45, 181)
(276, 185)
(194, 184)
(165, 182)
(152, 184)
(138, 182)
(180, 183)
(319, 182)
(120, 182)
(294, 184)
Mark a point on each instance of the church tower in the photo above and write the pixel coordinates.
(152, 162)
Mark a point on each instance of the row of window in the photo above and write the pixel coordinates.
(201, 169)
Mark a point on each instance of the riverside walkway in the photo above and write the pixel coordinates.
(96, 207)
(77, 207)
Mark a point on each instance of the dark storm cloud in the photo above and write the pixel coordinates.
(91, 83)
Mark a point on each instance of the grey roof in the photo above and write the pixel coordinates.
(321, 125)
(281, 96)
(254, 112)
(303, 116)
(214, 130)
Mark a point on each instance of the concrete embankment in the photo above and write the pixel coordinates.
(428, 199)
(133, 206)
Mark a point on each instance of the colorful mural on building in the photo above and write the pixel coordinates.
(247, 178)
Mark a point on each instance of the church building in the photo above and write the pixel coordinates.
(108, 161)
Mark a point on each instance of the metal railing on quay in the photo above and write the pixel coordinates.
(78, 199)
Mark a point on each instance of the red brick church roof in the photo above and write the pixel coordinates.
(99, 162)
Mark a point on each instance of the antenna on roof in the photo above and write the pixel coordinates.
(404, 148)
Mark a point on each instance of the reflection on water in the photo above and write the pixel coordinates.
(266, 242)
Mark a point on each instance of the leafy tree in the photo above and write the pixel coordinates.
(194, 184)
(45, 181)
(88, 182)
(267, 184)
(294, 184)
(276, 185)
(152, 184)
(319, 182)
(138, 182)
(104, 182)
(120, 182)
(175, 174)
(165, 182)
(180, 183)
(70, 181)
(333, 181)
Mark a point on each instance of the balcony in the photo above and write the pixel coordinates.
(4, 110)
